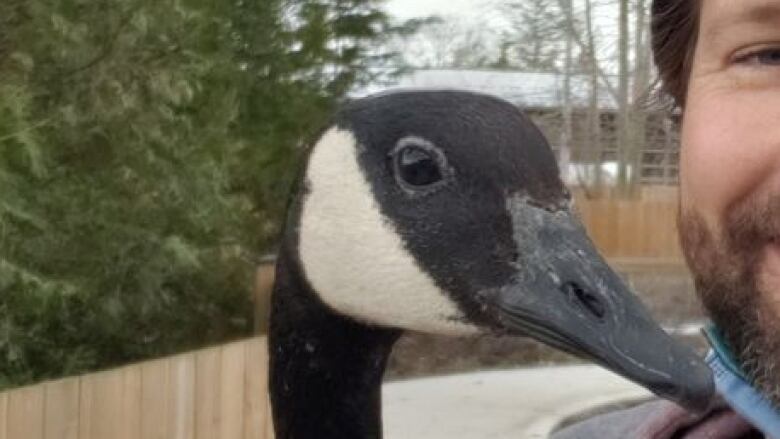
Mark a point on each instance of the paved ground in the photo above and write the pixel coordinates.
(516, 404)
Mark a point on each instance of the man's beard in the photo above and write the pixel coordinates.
(726, 272)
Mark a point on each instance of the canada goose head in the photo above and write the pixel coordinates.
(443, 212)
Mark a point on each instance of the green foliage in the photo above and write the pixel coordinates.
(146, 150)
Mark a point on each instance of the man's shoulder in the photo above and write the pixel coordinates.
(661, 419)
(634, 422)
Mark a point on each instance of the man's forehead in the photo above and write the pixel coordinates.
(720, 14)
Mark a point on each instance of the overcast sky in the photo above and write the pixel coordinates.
(487, 13)
(420, 8)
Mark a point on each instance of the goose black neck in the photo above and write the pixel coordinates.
(325, 369)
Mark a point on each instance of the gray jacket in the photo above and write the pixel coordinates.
(661, 419)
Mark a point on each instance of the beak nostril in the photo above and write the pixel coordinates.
(587, 300)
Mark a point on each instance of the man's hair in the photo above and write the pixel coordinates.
(675, 28)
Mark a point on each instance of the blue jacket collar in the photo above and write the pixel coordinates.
(734, 387)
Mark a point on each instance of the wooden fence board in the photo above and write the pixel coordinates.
(61, 409)
(181, 410)
(269, 431)
(207, 393)
(106, 404)
(25, 413)
(85, 407)
(129, 424)
(154, 399)
(641, 222)
(256, 409)
(3, 415)
(232, 396)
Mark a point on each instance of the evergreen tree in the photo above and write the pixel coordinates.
(146, 150)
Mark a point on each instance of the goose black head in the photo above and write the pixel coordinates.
(443, 211)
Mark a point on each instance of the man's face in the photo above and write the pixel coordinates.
(730, 179)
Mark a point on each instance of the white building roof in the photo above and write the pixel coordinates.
(524, 89)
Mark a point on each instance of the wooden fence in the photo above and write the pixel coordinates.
(644, 227)
(215, 393)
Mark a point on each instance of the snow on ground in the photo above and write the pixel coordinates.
(517, 404)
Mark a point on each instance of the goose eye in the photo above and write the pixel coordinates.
(418, 167)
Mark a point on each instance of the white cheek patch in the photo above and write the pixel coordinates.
(352, 256)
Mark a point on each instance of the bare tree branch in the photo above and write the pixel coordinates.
(583, 46)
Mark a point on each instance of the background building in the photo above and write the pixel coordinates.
(588, 117)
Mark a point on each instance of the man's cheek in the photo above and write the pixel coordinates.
(726, 156)
(702, 185)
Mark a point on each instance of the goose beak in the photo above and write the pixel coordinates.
(568, 297)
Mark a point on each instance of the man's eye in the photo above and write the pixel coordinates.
(769, 57)
(764, 57)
